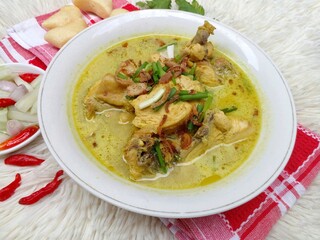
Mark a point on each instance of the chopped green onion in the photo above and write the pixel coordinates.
(193, 69)
(158, 108)
(160, 157)
(155, 79)
(154, 68)
(208, 103)
(155, 72)
(199, 108)
(121, 75)
(178, 58)
(206, 106)
(174, 80)
(139, 70)
(172, 93)
(130, 97)
(190, 126)
(161, 72)
(148, 67)
(136, 80)
(230, 109)
(165, 68)
(196, 96)
(184, 92)
(165, 46)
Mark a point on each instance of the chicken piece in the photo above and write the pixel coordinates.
(224, 68)
(221, 121)
(136, 89)
(206, 75)
(195, 52)
(187, 84)
(203, 33)
(209, 50)
(204, 130)
(234, 129)
(240, 129)
(149, 119)
(138, 154)
(106, 90)
(206, 137)
(199, 48)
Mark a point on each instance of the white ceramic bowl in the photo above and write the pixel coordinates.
(21, 68)
(259, 171)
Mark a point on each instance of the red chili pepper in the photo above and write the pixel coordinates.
(42, 192)
(23, 160)
(28, 77)
(19, 138)
(9, 190)
(6, 102)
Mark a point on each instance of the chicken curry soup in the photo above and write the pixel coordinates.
(167, 112)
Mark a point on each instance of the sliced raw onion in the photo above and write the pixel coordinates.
(170, 51)
(4, 94)
(153, 99)
(13, 113)
(36, 82)
(7, 86)
(3, 115)
(26, 102)
(34, 108)
(18, 93)
(19, 82)
(14, 127)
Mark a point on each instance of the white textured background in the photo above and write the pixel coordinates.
(289, 31)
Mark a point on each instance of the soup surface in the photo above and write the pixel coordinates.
(167, 112)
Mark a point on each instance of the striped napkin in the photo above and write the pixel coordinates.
(252, 220)
(25, 41)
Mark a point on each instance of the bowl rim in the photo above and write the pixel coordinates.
(33, 69)
(179, 214)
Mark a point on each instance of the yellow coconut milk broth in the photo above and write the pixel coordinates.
(105, 138)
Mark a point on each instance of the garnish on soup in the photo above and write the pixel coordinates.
(166, 111)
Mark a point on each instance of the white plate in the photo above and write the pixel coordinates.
(21, 68)
(259, 171)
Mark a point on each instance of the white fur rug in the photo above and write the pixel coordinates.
(287, 30)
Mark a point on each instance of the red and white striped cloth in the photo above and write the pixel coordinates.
(25, 41)
(252, 220)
